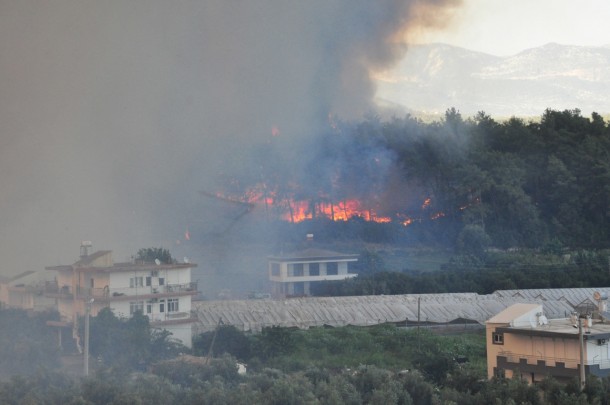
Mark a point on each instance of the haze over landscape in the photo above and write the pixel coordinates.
(114, 116)
(320, 201)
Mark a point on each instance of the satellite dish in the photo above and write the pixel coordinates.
(157, 262)
(533, 321)
(542, 320)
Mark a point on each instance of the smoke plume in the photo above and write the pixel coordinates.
(114, 114)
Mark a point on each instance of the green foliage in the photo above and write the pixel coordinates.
(473, 240)
(420, 374)
(149, 255)
(274, 341)
(129, 344)
(484, 275)
(227, 339)
(26, 342)
(192, 371)
(369, 262)
(524, 183)
(43, 387)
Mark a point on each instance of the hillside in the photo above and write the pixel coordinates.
(432, 78)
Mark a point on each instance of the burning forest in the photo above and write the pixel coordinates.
(161, 100)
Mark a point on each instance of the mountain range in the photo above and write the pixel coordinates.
(434, 77)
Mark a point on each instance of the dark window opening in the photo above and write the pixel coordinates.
(498, 338)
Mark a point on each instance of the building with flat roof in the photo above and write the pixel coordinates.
(292, 274)
(522, 341)
(26, 291)
(161, 291)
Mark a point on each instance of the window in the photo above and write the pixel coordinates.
(148, 281)
(298, 270)
(497, 338)
(162, 306)
(332, 269)
(148, 308)
(135, 306)
(136, 282)
(92, 283)
(314, 269)
(161, 281)
(172, 305)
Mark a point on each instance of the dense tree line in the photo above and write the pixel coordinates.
(482, 274)
(506, 184)
(521, 184)
(377, 365)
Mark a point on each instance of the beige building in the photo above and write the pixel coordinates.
(160, 291)
(26, 291)
(522, 341)
(292, 274)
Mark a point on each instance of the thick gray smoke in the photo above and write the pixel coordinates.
(114, 114)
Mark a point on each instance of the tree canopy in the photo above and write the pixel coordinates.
(517, 183)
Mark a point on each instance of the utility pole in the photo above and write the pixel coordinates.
(582, 354)
(418, 322)
(86, 355)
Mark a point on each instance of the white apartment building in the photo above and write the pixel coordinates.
(163, 292)
(292, 274)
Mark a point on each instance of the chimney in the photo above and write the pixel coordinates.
(84, 248)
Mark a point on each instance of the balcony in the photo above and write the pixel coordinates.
(117, 293)
(186, 287)
(169, 317)
(106, 293)
(53, 290)
(521, 358)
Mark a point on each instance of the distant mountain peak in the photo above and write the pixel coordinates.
(434, 77)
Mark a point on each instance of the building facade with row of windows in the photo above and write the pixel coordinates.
(522, 342)
(161, 291)
(293, 274)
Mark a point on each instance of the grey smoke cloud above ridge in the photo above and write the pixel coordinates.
(113, 114)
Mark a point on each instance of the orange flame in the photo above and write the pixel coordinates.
(341, 211)
(294, 210)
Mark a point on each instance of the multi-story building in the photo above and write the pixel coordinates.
(292, 274)
(26, 291)
(522, 341)
(160, 291)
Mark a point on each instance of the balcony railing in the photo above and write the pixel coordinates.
(552, 361)
(53, 288)
(168, 316)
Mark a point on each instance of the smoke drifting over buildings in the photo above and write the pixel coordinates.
(114, 114)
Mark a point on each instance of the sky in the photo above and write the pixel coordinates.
(504, 28)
